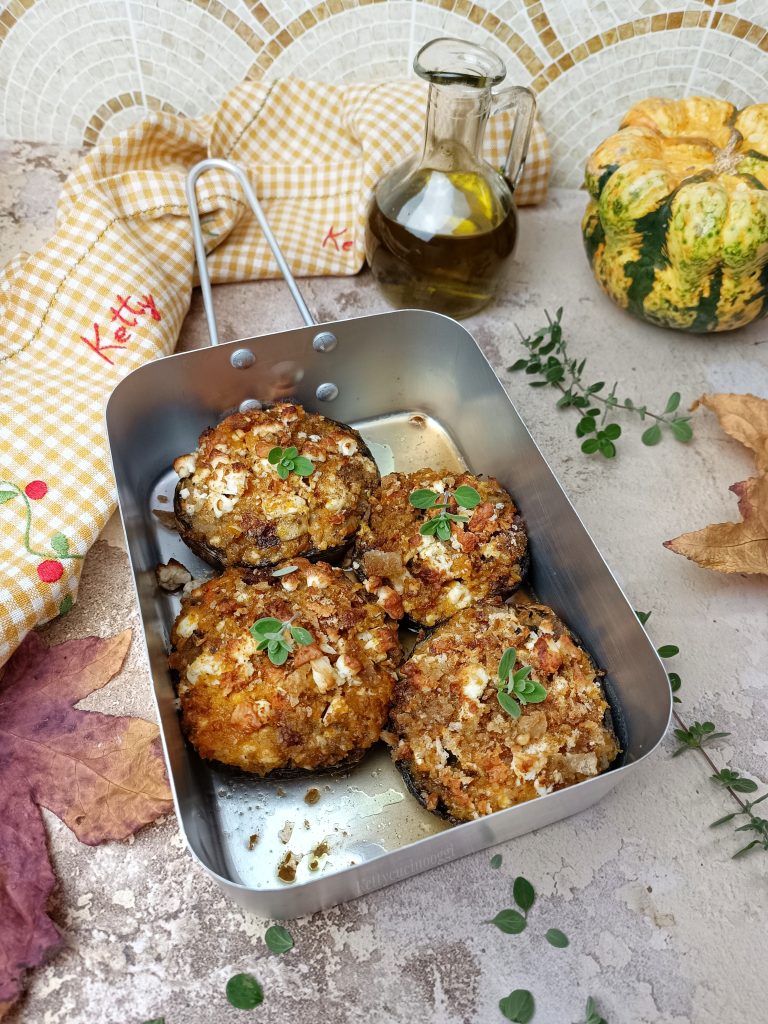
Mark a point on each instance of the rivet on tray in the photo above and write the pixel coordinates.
(324, 342)
(242, 358)
(249, 405)
(326, 392)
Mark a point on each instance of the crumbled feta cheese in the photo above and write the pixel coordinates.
(476, 679)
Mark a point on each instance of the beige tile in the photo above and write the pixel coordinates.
(201, 53)
(54, 74)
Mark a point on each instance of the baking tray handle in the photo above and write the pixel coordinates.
(197, 234)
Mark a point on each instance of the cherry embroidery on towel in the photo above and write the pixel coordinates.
(50, 569)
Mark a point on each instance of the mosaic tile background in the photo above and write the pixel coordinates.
(71, 70)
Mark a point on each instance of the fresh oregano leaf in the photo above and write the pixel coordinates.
(510, 706)
(681, 430)
(652, 435)
(422, 498)
(301, 636)
(511, 922)
(672, 402)
(278, 939)
(275, 456)
(467, 496)
(507, 663)
(496, 860)
(523, 893)
(262, 627)
(667, 651)
(278, 653)
(244, 992)
(518, 1006)
(304, 467)
(556, 938)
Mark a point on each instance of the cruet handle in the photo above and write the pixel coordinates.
(523, 102)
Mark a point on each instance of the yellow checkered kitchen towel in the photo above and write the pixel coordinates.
(112, 286)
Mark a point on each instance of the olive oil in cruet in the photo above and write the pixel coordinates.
(442, 226)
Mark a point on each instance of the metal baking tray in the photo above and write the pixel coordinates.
(420, 391)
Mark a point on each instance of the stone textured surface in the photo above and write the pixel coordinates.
(75, 70)
(664, 927)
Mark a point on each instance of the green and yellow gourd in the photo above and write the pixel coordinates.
(676, 228)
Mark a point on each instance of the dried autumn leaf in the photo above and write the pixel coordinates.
(745, 418)
(733, 547)
(103, 775)
(736, 547)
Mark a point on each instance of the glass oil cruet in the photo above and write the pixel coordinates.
(442, 225)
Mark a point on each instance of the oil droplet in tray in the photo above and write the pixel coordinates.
(312, 796)
(366, 806)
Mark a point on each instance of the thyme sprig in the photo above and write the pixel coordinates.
(754, 823)
(440, 525)
(549, 359)
(695, 738)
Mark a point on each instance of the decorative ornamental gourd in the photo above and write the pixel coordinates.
(676, 228)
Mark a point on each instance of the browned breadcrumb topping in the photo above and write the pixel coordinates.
(429, 579)
(461, 752)
(325, 705)
(233, 508)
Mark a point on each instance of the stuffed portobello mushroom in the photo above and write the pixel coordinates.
(497, 706)
(272, 484)
(438, 542)
(284, 670)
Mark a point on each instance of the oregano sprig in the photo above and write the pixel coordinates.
(516, 687)
(550, 360)
(440, 525)
(277, 638)
(288, 460)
